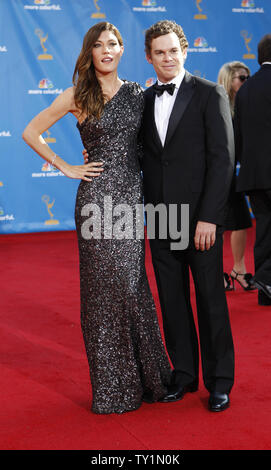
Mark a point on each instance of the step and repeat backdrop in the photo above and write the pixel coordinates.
(40, 41)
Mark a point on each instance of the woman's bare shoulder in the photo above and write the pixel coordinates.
(68, 97)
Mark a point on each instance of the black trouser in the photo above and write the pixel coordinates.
(261, 206)
(172, 275)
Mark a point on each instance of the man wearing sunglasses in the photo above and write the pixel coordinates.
(253, 145)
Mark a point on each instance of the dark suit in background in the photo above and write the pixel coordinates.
(253, 146)
(195, 167)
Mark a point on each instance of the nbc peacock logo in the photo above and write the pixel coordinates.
(45, 87)
(5, 217)
(47, 167)
(45, 83)
(200, 42)
(47, 170)
(148, 3)
(198, 73)
(150, 6)
(42, 5)
(247, 6)
(201, 45)
(149, 82)
(5, 134)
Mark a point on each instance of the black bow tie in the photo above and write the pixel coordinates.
(159, 89)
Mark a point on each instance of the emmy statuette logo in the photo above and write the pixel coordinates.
(200, 15)
(49, 205)
(98, 14)
(43, 39)
(247, 40)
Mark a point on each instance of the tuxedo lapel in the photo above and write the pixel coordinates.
(183, 98)
(151, 119)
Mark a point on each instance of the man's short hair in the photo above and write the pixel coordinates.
(264, 49)
(161, 28)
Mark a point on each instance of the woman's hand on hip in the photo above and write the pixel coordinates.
(85, 155)
(84, 172)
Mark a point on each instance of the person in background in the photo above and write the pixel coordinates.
(232, 75)
(252, 124)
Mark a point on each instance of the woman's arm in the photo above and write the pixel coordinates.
(32, 135)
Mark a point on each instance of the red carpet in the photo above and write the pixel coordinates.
(45, 388)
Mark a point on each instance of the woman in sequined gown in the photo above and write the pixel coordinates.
(125, 352)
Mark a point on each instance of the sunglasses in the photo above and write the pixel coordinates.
(242, 78)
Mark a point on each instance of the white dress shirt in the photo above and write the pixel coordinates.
(163, 106)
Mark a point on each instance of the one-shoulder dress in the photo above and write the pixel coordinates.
(123, 342)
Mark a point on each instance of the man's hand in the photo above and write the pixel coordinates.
(205, 236)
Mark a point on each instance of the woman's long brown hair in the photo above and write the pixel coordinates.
(88, 93)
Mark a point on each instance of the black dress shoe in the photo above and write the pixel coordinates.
(219, 401)
(263, 299)
(265, 288)
(177, 392)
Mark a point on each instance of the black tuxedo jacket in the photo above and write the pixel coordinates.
(252, 124)
(195, 166)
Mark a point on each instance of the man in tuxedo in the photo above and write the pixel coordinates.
(188, 159)
(253, 150)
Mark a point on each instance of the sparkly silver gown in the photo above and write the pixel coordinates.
(122, 338)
